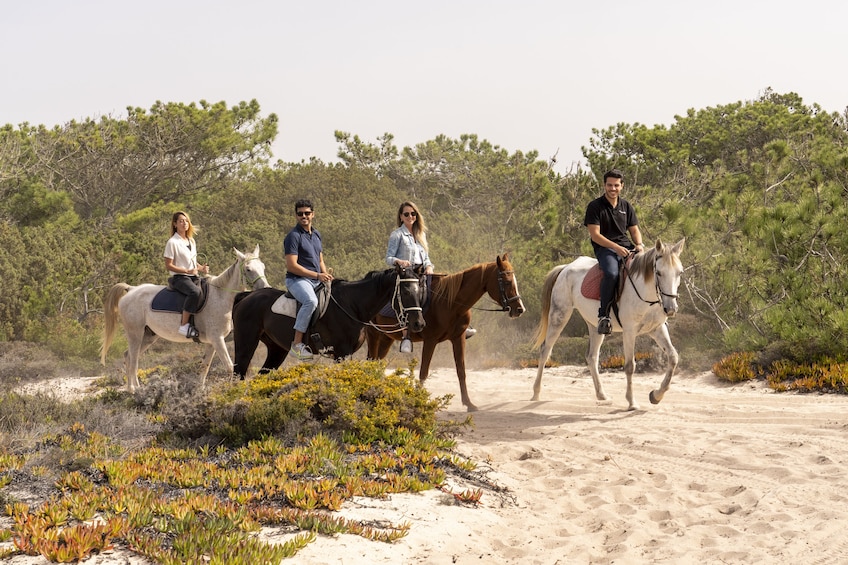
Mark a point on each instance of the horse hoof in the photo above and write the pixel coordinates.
(654, 399)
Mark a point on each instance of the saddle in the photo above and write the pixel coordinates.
(591, 286)
(286, 305)
(170, 300)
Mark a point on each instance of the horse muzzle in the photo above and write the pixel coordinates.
(670, 310)
(415, 321)
(516, 308)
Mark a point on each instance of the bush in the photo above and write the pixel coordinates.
(736, 367)
(352, 398)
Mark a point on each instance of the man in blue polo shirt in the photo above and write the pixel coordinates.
(305, 269)
(610, 220)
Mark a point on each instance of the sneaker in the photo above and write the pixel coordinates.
(301, 351)
(183, 331)
(406, 346)
(469, 332)
(604, 325)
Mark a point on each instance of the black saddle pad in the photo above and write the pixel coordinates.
(170, 300)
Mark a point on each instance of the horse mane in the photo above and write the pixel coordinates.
(643, 263)
(368, 276)
(227, 272)
(449, 285)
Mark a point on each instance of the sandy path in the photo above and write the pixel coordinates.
(714, 474)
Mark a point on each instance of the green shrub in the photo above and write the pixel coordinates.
(352, 398)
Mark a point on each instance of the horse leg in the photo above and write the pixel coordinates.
(275, 357)
(245, 343)
(426, 357)
(216, 346)
(661, 337)
(131, 361)
(378, 344)
(556, 323)
(595, 342)
(629, 345)
(459, 360)
(208, 355)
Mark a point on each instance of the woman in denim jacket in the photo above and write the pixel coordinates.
(408, 247)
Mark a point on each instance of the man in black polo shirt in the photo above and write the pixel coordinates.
(612, 225)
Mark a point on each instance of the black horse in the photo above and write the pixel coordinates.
(340, 332)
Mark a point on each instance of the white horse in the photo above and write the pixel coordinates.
(648, 299)
(144, 326)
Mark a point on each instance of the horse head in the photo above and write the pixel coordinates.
(509, 297)
(668, 270)
(409, 295)
(252, 269)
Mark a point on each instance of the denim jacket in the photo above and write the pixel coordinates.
(402, 245)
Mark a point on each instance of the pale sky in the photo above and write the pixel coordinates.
(524, 75)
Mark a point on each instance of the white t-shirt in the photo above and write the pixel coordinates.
(183, 252)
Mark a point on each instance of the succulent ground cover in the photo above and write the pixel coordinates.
(207, 470)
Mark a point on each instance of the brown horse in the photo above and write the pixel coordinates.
(449, 314)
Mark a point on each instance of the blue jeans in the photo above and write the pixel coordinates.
(303, 290)
(608, 261)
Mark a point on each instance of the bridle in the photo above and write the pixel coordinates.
(245, 280)
(502, 284)
(396, 297)
(400, 310)
(659, 290)
(244, 275)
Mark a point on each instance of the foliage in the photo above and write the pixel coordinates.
(736, 367)
(175, 150)
(177, 504)
(757, 188)
(784, 375)
(351, 397)
(826, 376)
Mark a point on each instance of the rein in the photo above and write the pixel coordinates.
(395, 295)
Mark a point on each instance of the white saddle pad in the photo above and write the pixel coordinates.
(285, 306)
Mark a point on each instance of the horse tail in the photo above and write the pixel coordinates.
(110, 315)
(547, 290)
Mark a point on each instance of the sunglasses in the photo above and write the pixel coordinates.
(300, 214)
(408, 214)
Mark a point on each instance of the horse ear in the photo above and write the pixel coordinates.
(256, 251)
(678, 247)
(659, 245)
(239, 254)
